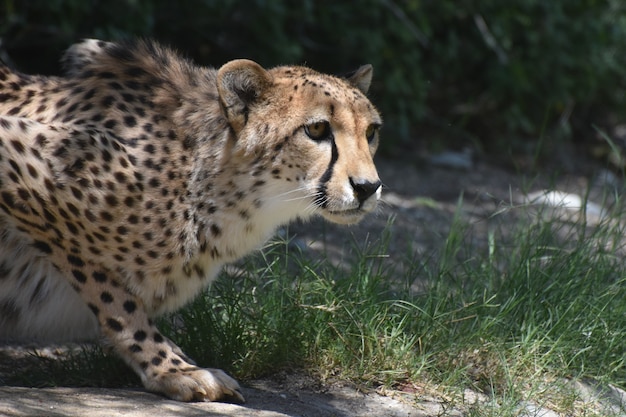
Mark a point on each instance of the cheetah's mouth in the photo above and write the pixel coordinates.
(349, 216)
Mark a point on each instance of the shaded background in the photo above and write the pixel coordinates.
(515, 77)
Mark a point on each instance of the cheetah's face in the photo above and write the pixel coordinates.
(321, 142)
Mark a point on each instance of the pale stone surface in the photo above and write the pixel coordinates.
(57, 402)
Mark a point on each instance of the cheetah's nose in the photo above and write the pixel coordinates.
(364, 189)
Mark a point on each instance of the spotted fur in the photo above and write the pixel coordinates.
(126, 184)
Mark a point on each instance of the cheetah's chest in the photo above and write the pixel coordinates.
(237, 237)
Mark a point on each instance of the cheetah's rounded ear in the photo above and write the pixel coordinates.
(239, 84)
(361, 78)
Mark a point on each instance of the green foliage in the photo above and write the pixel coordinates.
(499, 74)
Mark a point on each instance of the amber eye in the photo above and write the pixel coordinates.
(371, 131)
(318, 130)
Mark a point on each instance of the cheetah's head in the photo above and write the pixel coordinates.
(315, 133)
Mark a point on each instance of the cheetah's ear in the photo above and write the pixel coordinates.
(361, 78)
(240, 83)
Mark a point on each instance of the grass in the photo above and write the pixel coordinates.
(540, 300)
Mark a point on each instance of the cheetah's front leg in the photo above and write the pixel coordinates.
(162, 366)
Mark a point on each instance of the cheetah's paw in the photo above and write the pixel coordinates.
(197, 384)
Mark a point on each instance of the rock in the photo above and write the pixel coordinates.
(462, 161)
(528, 409)
(572, 202)
(609, 398)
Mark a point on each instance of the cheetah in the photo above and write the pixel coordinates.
(128, 182)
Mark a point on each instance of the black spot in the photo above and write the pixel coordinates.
(130, 306)
(158, 338)
(94, 250)
(42, 246)
(75, 260)
(188, 142)
(215, 230)
(114, 325)
(120, 176)
(79, 275)
(49, 216)
(134, 71)
(99, 276)
(106, 216)
(130, 121)
(106, 297)
(129, 201)
(49, 185)
(95, 310)
(32, 171)
(156, 361)
(111, 200)
(106, 155)
(140, 335)
(90, 216)
(6, 97)
(76, 192)
(18, 146)
(14, 111)
(72, 228)
(72, 108)
(105, 75)
(135, 348)
(89, 94)
(199, 270)
(15, 167)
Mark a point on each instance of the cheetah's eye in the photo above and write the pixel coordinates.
(318, 130)
(371, 132)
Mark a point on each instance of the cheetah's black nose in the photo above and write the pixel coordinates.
(364, 189)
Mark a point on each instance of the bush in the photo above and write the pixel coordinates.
(500, 74)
